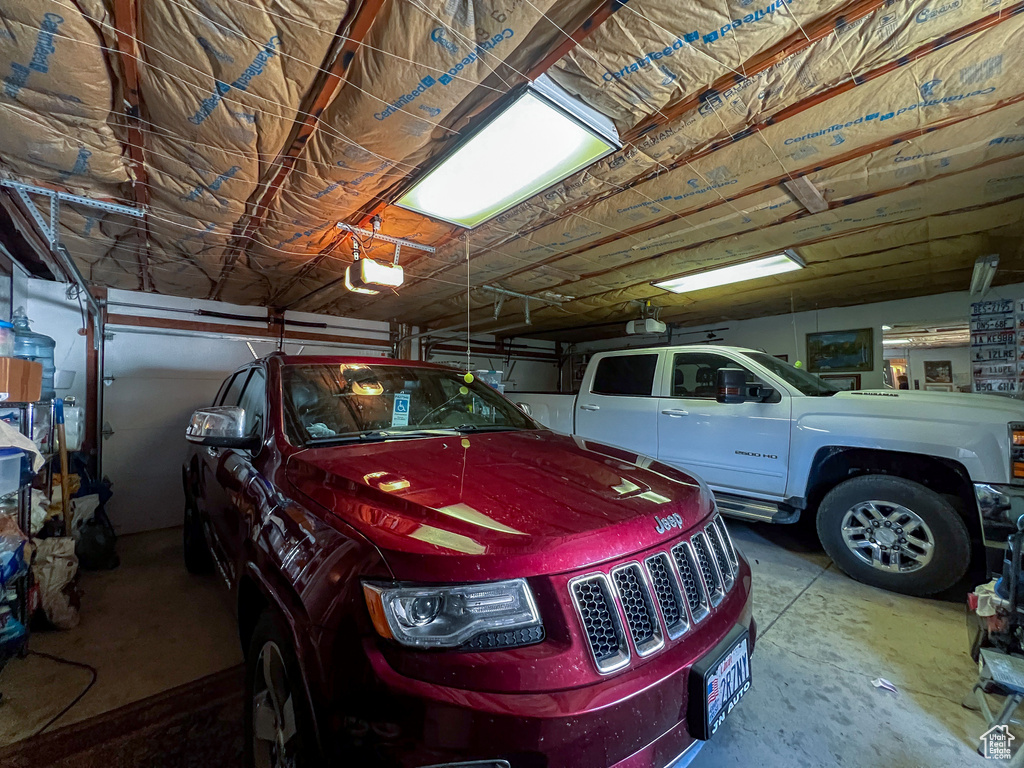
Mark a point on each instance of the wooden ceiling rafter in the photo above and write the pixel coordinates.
(125, 13)
(347, 40)
(847, 157)
(791, 111)
(377, 208)
(482, 319)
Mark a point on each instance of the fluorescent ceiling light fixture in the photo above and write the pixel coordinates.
(369, 276)
(984, 272)
(734, 273)
(542, 136)
(895, 342)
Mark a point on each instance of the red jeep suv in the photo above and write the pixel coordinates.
(427, 577)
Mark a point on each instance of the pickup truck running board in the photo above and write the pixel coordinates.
(754, 509)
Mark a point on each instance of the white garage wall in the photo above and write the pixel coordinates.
(157, 378)
(518, 375)
(786, 334)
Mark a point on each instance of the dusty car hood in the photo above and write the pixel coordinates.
(498, 504)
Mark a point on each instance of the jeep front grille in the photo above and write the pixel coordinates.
(696, 593)
(708, 569)
(641, 618)
(592, 596)
(636, 607)
(666, 590)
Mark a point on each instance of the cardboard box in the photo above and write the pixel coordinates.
(21, 381)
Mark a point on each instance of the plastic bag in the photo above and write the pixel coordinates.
(54, 568)
(12, 550)
(12, 631)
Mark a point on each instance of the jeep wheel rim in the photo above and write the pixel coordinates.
(888, 536)
(273, 712)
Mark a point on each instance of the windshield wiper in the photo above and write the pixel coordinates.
(486, 428)
(375, 436)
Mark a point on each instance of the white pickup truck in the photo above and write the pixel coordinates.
(905, 485)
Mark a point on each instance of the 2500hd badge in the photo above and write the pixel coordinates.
(757, 455)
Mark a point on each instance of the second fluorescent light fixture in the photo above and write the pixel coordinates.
(984, 272)
(541, 137)
(734, 273)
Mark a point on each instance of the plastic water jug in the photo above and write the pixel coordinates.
(36, 347)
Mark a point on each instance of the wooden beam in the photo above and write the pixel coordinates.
(126, 27)
(270, 334)
(350, 35)
(569, 42)
(796, 215)
(795, 109)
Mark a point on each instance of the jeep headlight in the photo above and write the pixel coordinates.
(450, 616)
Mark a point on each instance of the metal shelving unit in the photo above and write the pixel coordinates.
(28, 420)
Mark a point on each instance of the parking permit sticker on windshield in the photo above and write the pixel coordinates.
(400, 410)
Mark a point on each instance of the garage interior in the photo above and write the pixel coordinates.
(187, 186)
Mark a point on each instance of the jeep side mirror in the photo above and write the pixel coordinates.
(732, 385)
(222, 426)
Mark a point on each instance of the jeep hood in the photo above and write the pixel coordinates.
(499, 504)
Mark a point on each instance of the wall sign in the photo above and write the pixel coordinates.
(997, 354)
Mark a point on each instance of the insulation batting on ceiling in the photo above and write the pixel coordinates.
(960, 80)
(224, 83)
(420, 63)
(876, 40)
(949, 152)
(654, 52)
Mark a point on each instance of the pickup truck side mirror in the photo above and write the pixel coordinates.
(732, 385)
(220, 427)
(762, 393)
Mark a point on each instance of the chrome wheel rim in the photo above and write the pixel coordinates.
(888, 536)
(273, 712)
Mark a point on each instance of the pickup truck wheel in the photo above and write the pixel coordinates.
(277, 723)
(894, 534)
(198, 559)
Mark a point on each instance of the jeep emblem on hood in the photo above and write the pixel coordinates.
(665, 523)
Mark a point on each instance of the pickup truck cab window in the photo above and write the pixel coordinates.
(625, 375)
(695, 374)
(807, 383)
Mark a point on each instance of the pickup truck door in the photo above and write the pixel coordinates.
(741, 447)
(617, 405)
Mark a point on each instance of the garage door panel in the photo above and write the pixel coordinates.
(145, 469)
(165, 356)
(144, 403)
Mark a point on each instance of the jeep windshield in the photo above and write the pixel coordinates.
(807, 383)
(354, 402)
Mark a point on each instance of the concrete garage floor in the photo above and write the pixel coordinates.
(148, 626)
(822, 639)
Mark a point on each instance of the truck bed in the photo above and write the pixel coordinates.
(552, 409)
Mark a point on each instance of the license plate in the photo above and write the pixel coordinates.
(718, 682)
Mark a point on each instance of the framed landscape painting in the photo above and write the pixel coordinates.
(938, 372)
(841, 351)
(845, 381)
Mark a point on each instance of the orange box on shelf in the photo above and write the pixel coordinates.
(21, 381)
